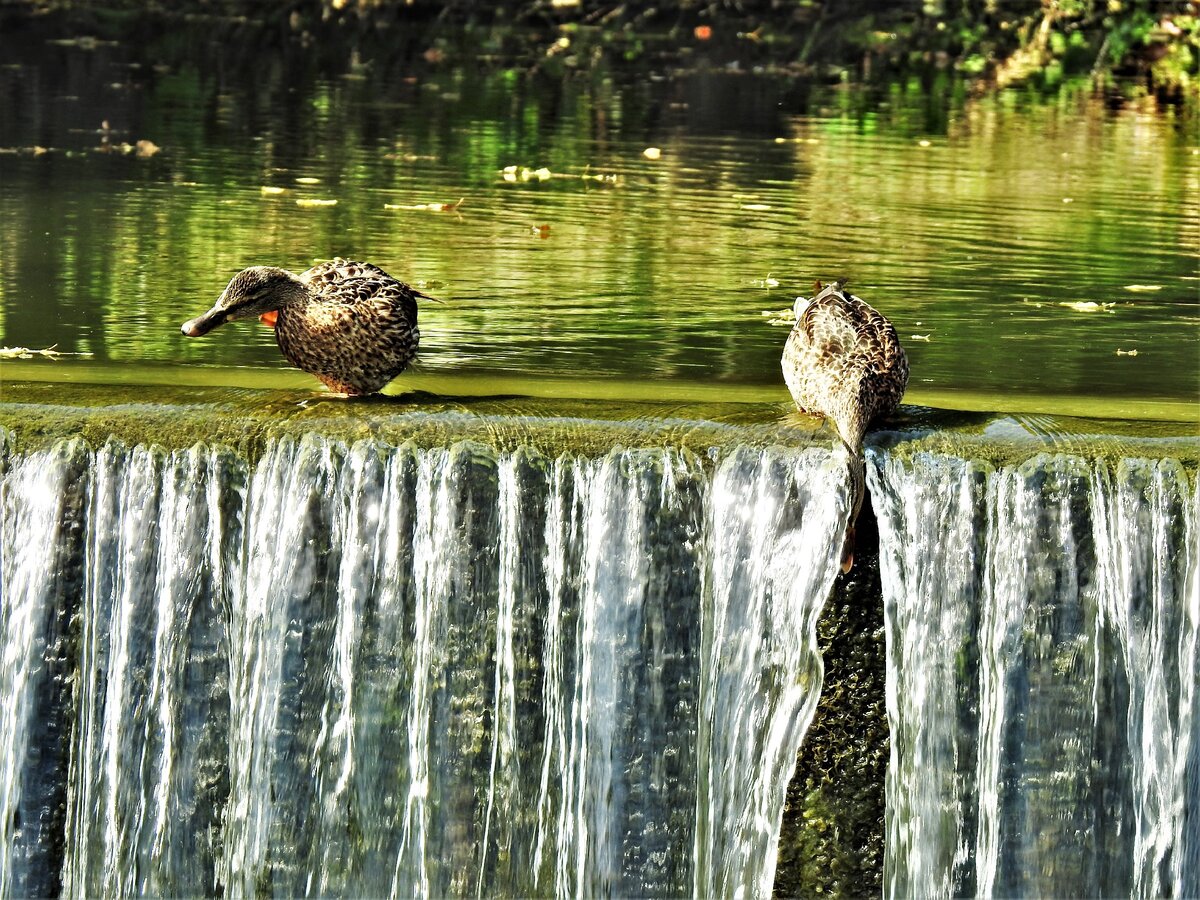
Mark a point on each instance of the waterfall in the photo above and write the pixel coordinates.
(394, 671)
(1042, 624)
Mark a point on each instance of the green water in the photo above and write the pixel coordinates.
(978, 224)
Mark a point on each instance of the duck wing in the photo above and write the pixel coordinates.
(349, 282)
(848, 331)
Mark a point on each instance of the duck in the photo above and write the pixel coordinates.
(349, 323)
(843, 363)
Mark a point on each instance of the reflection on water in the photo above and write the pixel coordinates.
(979, 224)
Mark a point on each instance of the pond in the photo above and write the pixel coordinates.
(589, 227)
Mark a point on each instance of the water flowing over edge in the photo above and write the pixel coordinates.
(406, 672)
(1042, 624)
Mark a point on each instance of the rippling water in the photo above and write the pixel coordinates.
(1022, 244)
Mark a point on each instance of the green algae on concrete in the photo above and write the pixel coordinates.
(245, 419)
(999, 440)
(176, 416)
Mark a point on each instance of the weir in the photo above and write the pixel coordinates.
(435, 651)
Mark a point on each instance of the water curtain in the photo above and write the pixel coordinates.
(394, 671)
(1042, 624)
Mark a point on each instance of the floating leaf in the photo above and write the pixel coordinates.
(27, 353)
(525, 173)
(780, 316)
(1088, 306)
(427, 207)
(146, 148)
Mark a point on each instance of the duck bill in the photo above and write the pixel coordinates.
(202, 325)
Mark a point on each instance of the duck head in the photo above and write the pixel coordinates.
(251, 292)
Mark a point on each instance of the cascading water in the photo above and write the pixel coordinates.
(1042, 624)
(393, 671)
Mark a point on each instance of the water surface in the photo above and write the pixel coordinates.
(1024, 245)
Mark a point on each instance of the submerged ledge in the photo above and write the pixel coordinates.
(246, 419)
(480, 384)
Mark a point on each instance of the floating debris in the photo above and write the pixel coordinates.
(1143, 288)
(525, 173)
(652, 153)
(409, 157)
(920, 337)
(427, 207)
(1121, 352)
(610, 178)
(32, 151)
(143, 149)
(307, 179)
(83, 42)
(27, 353)
(513, 174)
(780, 317)
(270, 191)
(309, 201)
(542, 231)
(1089, 306)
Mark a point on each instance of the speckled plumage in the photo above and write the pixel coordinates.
(358, 332)
(348, 323)
(843, 362)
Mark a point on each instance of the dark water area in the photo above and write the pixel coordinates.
(1023, 243)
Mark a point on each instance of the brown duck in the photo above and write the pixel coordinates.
(843, 362)
(350, 324)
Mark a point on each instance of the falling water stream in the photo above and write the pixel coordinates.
(1042, 624)
(390, 671)
(367, 669)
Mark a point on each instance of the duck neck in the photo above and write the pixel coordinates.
(293, 292)
(851, 430)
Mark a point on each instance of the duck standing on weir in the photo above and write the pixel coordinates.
(843, 362)
(350, 324)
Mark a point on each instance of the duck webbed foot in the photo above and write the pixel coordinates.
(848, 550)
